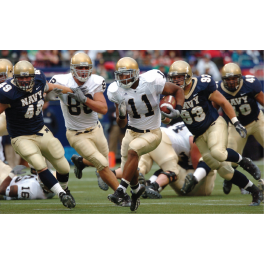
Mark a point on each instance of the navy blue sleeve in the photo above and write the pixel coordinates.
(40, 76)
(211, 87)
(256, 87)
(3, 99)
(3, 93)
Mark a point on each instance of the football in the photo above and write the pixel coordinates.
(166, 101)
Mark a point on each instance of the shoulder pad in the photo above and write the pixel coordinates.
(97, 79)
(150, 76)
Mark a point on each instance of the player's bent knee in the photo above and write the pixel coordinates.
(37, 161)
(226, 171)
(61, 165)
(219, 155)
(171, 176)
(211, 162)
(99, 162)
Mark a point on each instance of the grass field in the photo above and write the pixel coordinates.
(92, 200)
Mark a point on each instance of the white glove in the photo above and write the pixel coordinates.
(53, 95)
(122, 109)
(173, 114)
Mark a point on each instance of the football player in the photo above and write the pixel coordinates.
(210, 129)
(6, 71)
(26, 187)
(243, 93)
(177, 156)
(80, 110)
(138, 96)
(21, 97)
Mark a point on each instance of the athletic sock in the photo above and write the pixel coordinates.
(233, 156)
(135, 188)
(63, 180)
(50, 181)
(123, 184)
(239, 179)
(201, 171)
(153, 178)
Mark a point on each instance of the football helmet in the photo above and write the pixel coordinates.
(81, 60)
(231, 76)
(6, 69)
(128, 68)
(24, 69)
(178, 68)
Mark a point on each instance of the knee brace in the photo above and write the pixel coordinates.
(171, 176)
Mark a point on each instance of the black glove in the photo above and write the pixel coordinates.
(240, 129)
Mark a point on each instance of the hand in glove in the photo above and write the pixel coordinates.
(53, 95)
(78, 95)
(174, 113)
(122, 110)
(240, 129)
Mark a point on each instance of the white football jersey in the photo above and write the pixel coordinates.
(179, 136)
(78, 116)
(142, 103)
(29, 188)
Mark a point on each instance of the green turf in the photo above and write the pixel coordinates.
(92, 200)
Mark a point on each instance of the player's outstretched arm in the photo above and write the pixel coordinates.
(260, 98)
(3, 107)
(176, 91)
(64, 89)
(219, 99)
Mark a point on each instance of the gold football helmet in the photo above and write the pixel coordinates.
(127, 72)
(24, 69)
(180, 68)
(6, 69)
(231, 76)
(81, 66)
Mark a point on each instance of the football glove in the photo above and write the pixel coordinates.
(173, 113)
(19, 170)
(78, 95)
(240, 129)
(53, 95)
(122, 109)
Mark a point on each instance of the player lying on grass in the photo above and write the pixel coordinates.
(22, 187)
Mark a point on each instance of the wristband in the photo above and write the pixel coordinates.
(234, 120)
(122, 117)
(178, 107)
(7, 191)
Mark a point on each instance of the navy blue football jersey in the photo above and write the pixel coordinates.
(243, 99)
(198, 112)
(24, 116)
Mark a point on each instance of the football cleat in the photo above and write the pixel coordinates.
(152, 191)
(101, 183)
(227, 186)
(135, 198)
(250, 167)
(261, 187)
(189, 183)
(117, 197)
(256, 195)
(126, 201)
(78, 165)
(69, 193)
(141, 179)
(67, 200)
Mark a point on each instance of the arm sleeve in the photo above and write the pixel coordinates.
(159, 82)
(3, 98)
(256, 87)
(211, 88)
(101, 87)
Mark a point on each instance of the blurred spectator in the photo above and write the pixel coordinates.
(206, 66)
(111, 55)
(193, 63)
(146, 61)
(54, 57)
(42, 59)
(24, 55)
(101, 70)
(66, 56)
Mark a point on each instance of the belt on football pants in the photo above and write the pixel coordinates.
(86, 131)
(137, 130)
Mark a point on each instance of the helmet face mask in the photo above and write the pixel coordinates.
(126, 78)
(24, 76)
(180, 73)
(81, 66)
(126, 73)
(231, 76)
(6, 70)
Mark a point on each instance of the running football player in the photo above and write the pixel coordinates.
(210, 129)
(21, 97)
(138, 96)
(243, 93)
